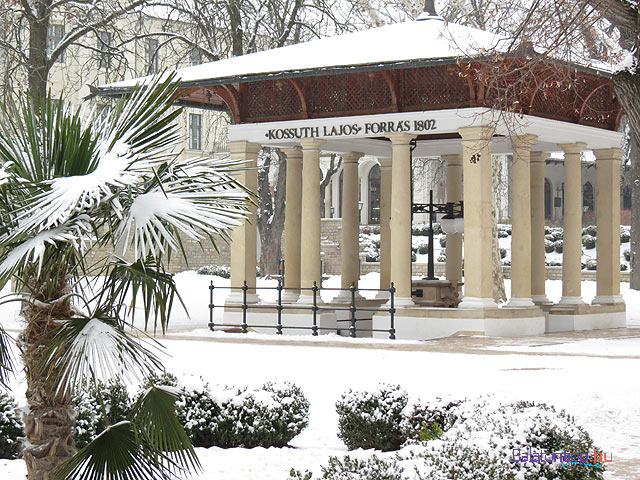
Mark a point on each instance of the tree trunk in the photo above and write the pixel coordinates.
(270, 254)
(627, 87)
(499, 294)
(38, 63)
(49, 419)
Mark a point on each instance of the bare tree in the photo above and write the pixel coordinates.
(326, 177)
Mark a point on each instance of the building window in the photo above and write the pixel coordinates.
(195, 131)
(587, 198)
(374, 195)
(151, 55)
(548, 200)
(55, 34)
(104, 47)
(195, 56)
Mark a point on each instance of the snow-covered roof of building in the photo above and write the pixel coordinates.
(429, 38)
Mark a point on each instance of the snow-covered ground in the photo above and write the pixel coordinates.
(595, 379)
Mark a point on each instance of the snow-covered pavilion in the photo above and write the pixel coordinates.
(373, 92)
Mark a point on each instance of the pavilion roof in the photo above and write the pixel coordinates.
(426, 40)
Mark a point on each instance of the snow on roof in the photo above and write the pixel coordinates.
(427, 38)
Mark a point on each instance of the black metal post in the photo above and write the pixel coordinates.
(392, 312)
(279, 327)
(430, 266)
(352, 309)
(211, 306)
(314, 309)
(244, 306)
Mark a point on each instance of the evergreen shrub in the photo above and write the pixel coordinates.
(218, 270)
(557, 246)
(10, 427)
(347, 468)
(372, 419)
(627, 255)
(589, 242)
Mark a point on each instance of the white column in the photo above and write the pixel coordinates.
(350, 261)
(521, 222)
(310, 230)
(572, 236)
(453, 267)
(385, 229)
(478, 217)
(244, 238)
(538, 267)
(608, 221)
(292, 224)
(401, 218)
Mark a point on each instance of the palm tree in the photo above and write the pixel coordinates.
(69, 186)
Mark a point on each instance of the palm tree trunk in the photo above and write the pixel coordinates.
(49, 418)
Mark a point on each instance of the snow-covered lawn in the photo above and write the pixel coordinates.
(595, 379)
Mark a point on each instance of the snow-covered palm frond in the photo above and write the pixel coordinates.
(140, 140)
(76, 232)
(97, 348)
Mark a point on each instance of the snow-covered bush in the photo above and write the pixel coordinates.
(549, 246)
(443, 241)
(589, 242)
(370, 247)
(503, 252)
(627, 255)
(10, 427)
(557, 246)
(488, 436)
(624, 267)
(95, 400)
(219, 270)
(267, 417)
(553, 263)
(590, 230)
(372, 419)
(441, 412)
(347, 468)
(502, 234)
(414, 257)
(625, 235)
(557, 234)
(423, 248)
(420, 230)
(442, 257)
(590, 264)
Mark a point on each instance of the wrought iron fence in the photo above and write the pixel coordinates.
(315, 307)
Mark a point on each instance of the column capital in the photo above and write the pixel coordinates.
(385, 162)
(293, 152)
(452, 158)
(242, 146)
(523, 141)
(577, 147)
(401, 138)
(482, 132)
(311, 143)
(539, 157)
(351, 157)
(608, 154)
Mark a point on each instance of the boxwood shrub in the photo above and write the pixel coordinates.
(423, 249)
(627, 255)
(372, 419)
(625, 235)
(10, 427)
(443, 241)
(589, 242)
(557, 246)
(219, 270)
(549, 246)
(347, 468)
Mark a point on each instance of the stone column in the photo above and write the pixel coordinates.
(244, 238)
(385, 230)
(521, 222)
(310, 229)
(401, 217)
(350, 261)
(292, 221)
(538, 268)
(453, 267)
(478, 219)
(608, 222)
(572, 237)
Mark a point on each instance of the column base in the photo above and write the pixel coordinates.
(236, 298)
(540, 299)
(400, 302)
(306, 299)
(571, 301)
(477, 302)
(344, 296)
(382, 295)
(520, 303)
(290, 296)
(607, 299)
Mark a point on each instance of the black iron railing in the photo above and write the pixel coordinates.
(314, 307)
